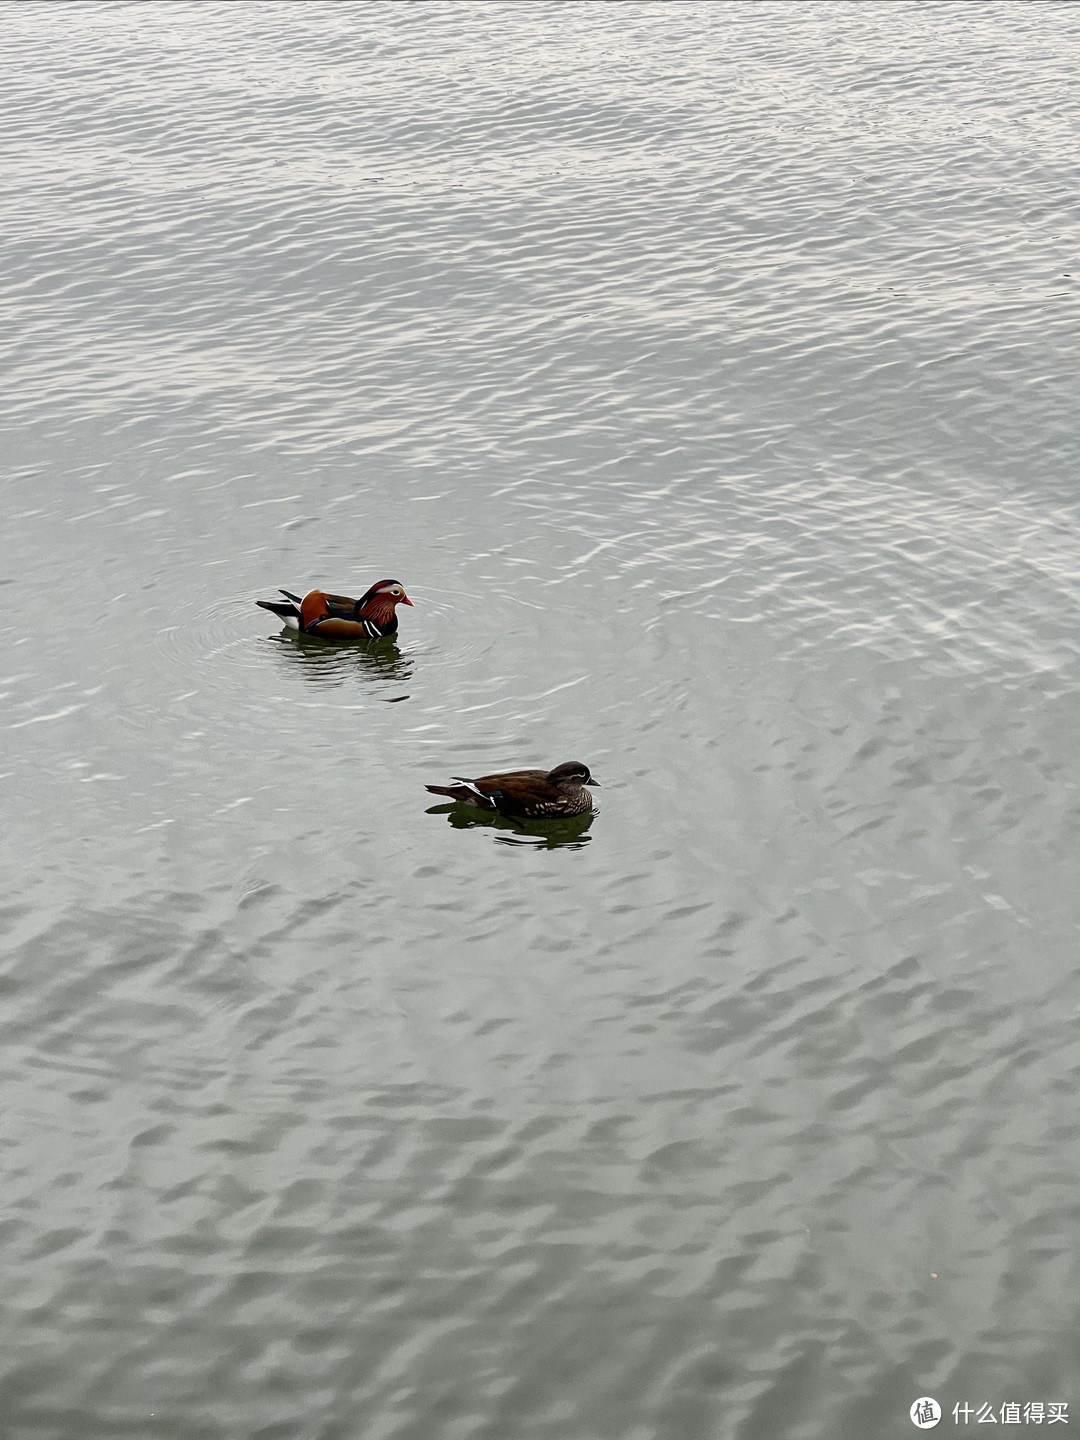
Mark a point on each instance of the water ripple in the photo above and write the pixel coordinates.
(706, 373)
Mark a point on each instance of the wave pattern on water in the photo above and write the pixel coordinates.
(706, 372)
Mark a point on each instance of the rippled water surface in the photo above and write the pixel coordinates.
(707, 373)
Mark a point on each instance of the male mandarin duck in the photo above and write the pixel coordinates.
(527, 794)
(337, 617)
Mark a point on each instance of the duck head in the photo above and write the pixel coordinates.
(380, 602)
(571, 775)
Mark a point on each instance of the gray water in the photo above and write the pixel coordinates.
(707, 373)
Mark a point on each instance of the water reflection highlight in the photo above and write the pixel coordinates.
(332, 662)
(533, 834)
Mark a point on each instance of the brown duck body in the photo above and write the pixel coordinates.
(339, 617)
(527, 794)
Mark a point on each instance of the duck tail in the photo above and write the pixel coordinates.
(462, 794)
(282, 610)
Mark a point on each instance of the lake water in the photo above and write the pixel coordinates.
(707, 373)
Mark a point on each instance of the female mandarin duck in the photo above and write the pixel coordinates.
(527, 794)
(337, 617)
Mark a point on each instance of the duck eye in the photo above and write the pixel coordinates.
(396, 590)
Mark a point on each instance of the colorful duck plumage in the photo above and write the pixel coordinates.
(339, 617)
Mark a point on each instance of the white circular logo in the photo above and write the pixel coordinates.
(925, 1413)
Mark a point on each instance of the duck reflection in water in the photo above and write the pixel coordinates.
(330, 662)
(534, 834)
